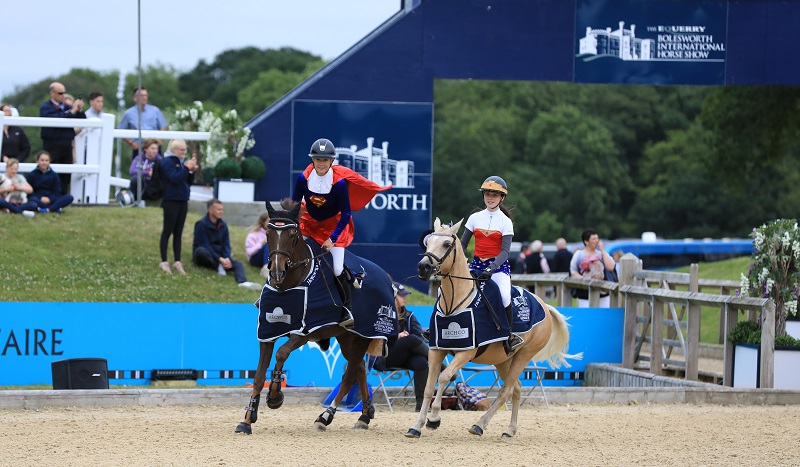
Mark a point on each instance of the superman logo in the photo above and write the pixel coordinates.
(487, 233)
(318, 201)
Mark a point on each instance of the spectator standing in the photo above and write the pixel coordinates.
(46, 186)
(590, 263)
(152, 118)
(255, 245)
(14, 191)
(177, 174)
(212, 245)
(58, 141)
(15, 141)
(520, 266)
(96, 103)
(562, 258)
(536, 262)
(147, 166)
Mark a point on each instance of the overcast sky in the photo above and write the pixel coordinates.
(45, 38)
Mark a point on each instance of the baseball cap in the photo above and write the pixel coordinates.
(401, 289)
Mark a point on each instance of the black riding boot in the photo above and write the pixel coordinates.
(514, 341)
(420, 379)
(345, 289)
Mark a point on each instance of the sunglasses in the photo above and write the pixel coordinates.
(61, 93)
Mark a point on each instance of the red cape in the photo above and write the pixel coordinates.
(360, 189)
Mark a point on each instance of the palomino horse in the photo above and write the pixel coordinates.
(548, 340)
(291, 261)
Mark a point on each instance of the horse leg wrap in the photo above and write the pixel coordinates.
(370, 409)
(253, 408)
(326, 417)
(364, 419)
(277, 401)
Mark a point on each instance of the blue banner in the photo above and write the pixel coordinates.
(651, 42)
(218, 340)
(388, 143)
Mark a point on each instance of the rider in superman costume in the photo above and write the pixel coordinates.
(330, 194)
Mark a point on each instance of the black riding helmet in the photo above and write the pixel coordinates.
(323, 148)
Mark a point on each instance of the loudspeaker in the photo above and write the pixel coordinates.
(80, 373)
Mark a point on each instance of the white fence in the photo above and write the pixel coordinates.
(94, 150)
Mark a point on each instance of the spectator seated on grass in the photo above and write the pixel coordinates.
(47, 186)
(212, 246)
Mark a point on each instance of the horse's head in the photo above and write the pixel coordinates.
(286, 245)
(442, 247)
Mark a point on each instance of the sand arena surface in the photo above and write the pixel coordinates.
(562, 435)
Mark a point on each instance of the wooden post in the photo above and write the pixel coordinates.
(657, 335)
(767, 373)
(628, 266)
(564, 295)
(731, 317)
(693, 328)
(721, 332)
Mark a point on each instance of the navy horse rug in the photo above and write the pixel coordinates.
(477, 325)
(316, 303)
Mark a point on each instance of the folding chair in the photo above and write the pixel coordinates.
(388, 375)
(538, 374)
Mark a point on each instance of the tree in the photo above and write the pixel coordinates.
(232, 70)
(270, 86)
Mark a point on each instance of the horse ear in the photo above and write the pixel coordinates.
(437, 224)
(270, 209)
(295, 211)
(457, 226)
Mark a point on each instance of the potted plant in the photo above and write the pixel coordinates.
(772, 274)
(223, 155)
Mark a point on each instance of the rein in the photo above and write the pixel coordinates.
(437, 261)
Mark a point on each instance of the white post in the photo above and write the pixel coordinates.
(105, 154)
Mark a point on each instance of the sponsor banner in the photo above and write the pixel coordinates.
(651, 42)
(388, 143)
(137, 338)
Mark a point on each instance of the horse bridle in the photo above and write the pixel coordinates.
(437, 262)
(285, 224)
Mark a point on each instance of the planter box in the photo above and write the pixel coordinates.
(234, 190)
(746, 368)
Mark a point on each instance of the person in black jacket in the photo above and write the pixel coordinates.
(47, 186)
(562, 258)
(15, 141)
(410, 350)
(58, 141)
(212, 245)
(177, 174)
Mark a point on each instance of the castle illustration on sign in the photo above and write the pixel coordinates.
(621, 43)
(374, 164)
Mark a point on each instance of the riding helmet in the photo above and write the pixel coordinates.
(495, 184)
(323, 148)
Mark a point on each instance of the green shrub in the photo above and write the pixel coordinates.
(748, 332)
(208, 174)
(253, 167)
(228, 168)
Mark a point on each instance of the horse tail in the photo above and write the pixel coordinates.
(555, 351)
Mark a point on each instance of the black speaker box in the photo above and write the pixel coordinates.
(80, 373)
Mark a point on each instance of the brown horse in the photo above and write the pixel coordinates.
(291, 261)
(548, 340)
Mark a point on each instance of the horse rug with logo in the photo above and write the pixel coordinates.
(473, 326)
(316, 304)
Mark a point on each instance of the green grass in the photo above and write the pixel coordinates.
(723, 270)
(111, 254)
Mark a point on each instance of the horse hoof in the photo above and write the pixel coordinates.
(320, 426)
(361, 425)
(363, 419)
(476, 430)
(244, 428)
(412, 433)
(506, 435)
(275, 402)
(433, 425)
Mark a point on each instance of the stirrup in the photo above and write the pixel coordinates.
(512, 343)
(347, 319)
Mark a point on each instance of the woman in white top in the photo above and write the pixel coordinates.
(591, 263)
(14, 191)
(493, 232)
